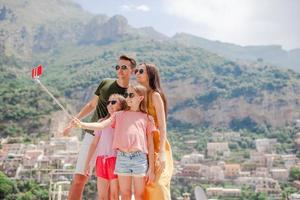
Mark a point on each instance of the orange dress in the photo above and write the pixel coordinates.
(160, 189)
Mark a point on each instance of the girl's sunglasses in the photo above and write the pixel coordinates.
(140, 71)
(112, 102)
(123, 67)
(130, 95)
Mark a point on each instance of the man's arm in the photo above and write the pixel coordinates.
(87, 109)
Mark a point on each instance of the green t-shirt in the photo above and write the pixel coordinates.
(106, 88)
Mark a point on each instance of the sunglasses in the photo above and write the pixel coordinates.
(112, 102)
(123, 67)
(130, 95)
(140, 71)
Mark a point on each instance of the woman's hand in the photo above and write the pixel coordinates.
(161, 161)
(66, 131)
(150, 176)
(77, 123)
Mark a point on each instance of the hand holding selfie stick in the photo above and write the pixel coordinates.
(36, 73)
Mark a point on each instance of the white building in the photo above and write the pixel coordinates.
(193, 158)
(223, 192)
(280, 174)
(289, 160)
(215, 149)
(295, 196)
(213, 173)
(265, 145)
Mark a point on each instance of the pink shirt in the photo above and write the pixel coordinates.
(131, 129)
(105, 143)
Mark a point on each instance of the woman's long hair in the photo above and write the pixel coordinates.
(154, 83)
(141, 91)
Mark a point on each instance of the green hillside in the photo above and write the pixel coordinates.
(78, 50)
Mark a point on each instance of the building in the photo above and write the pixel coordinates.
(70, 144)
(214, 192)
(12, 150)
(280, 174)
(232, 170)
(257, 158)
(296, 184)
(31, 158)
(261, 172)
(190, 170)
(261, 184)
(289, 160)
(294, 196)
(215, 149)
(193, 158)
(265, 145)
(212, 173)
(223, 192)
(244, 174)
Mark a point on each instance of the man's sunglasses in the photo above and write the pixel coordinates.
(123, 67)
(112, 102)
(140, 71)
(130, 95)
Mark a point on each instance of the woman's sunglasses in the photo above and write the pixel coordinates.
(112, 102)
(140, 71)
(130, 95)
(123, 67)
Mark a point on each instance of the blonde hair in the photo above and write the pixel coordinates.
(141, 91)
(122, 101)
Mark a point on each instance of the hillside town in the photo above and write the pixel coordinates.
(52, 163)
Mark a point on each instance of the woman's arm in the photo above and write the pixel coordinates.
(94, 125)
(91, 152)
(151, 170)
(161, 118)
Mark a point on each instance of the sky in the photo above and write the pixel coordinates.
(242, 22)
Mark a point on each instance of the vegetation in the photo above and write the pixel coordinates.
(21, 190)
(294, 174)
(206, 92)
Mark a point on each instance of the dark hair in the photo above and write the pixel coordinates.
(141, 91)
(154, 83)
(131, 60)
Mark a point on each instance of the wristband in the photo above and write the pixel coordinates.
(162, 156)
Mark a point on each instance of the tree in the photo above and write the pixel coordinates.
(294, 173)
(6, 185)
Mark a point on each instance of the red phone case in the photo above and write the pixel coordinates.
(37, 71)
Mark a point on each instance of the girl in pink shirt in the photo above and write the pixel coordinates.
(133, 141)
(107, 181)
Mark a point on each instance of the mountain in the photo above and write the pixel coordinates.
(78, 49)
(31, 27)
(272, 54)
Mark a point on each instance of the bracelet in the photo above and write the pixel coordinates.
(162, 156)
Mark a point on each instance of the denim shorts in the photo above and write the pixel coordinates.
(131, 163)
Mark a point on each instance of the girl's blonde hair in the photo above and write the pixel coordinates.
(141, 91)
(122, 101)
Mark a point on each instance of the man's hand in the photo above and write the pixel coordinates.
(87, 170)
(66, 131)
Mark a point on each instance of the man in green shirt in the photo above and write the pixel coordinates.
(124, 69)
